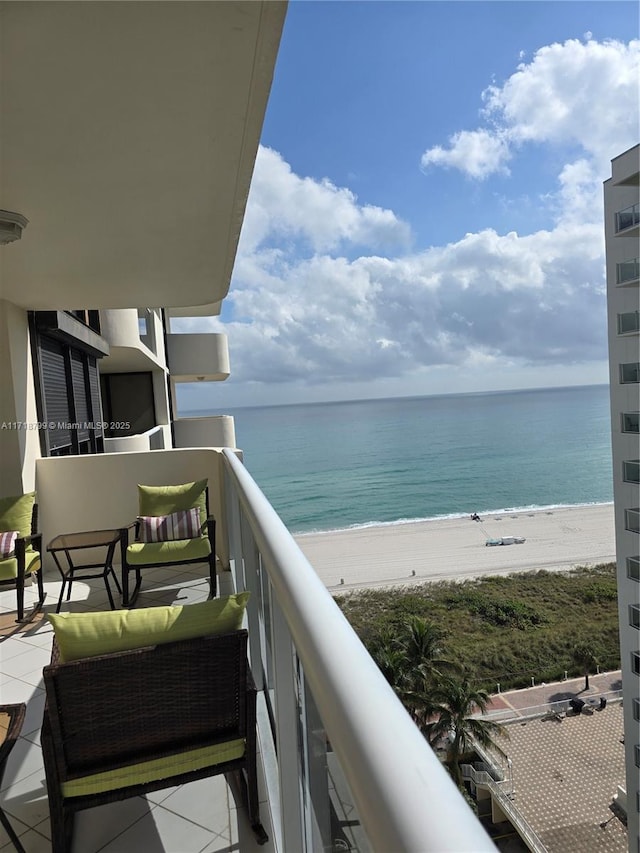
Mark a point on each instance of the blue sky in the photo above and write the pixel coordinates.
(426, 209)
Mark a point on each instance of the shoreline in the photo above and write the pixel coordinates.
(446, 548)
(450, 516)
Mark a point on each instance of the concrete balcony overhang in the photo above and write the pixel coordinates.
(129, 135)
(198, 357)
(128, 352)
(211, 310)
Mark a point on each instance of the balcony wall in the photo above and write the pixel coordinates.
(128, 353)
(99, 491)
(157, 438)
(216, 431)
(198, 357)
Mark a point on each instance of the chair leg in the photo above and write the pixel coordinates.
(11, 832)
(125, 586)
(20, 596)
(40, 581)
(212, 576)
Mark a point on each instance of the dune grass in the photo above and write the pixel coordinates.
(504, 629)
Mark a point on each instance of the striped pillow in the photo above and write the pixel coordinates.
(8, 543)
(184, 524)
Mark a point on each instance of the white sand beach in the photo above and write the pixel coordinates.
(414, 552)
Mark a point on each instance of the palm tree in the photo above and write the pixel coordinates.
(421, 645)
(454, 701)
(584, 656)
(411, 660)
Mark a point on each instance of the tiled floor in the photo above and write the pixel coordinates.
(201, 817)
(565, 773)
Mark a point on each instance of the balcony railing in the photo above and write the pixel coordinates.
(627, 218)
(329, 714)
(628, 271)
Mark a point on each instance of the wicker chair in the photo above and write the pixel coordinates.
(118, 711)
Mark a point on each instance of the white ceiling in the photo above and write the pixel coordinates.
(128, 133)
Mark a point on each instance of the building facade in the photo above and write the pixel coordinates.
(622, 229)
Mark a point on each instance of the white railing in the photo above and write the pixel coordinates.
(524, 830)
(550, 708)
(321, 685)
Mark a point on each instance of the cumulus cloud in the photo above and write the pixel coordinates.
(329, 290)
(479, 153)
(581, 94)
(321, 215)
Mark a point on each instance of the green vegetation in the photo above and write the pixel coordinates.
(502, 629)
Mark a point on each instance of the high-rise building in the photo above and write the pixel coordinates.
(622, 227)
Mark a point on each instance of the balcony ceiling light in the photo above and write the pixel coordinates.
(11, 226)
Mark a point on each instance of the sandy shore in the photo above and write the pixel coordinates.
(556, 540)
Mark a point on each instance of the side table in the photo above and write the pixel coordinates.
(68, 542)
(11, 720)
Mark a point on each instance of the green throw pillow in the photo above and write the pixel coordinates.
(86, 635)
(163, 500)
(16, 512)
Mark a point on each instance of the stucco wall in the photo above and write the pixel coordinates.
(19, 437)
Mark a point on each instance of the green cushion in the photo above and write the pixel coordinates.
(163, 500)
(85, 635)
(157, 768)
(172, 551)
(16, 512)
(9, 567)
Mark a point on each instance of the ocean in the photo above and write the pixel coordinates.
(327, 466)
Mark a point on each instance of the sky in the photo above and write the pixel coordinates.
(426, 214)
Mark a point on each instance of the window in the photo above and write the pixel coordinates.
(627, 271)
(68, 400)
(630, 372)
(631, 471)
(129, 406)
(631, 422)
(89, 318)
(636, 709)
(628, 322)
(628, 217)
(633, 568)
(632, 520)
(635, 662)
(634, 616)
(637, 752)
(147, 328)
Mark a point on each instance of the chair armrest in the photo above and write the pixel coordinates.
(124, 532)
(211, 527)
(32, 539)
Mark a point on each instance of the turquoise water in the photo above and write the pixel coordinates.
(333, 465)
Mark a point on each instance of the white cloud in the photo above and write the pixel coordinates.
(478, 153)
(286, 206)
(573, 94)
(311, 309)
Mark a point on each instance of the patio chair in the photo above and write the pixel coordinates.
(165, 535)
(20, 549)
(122, 724)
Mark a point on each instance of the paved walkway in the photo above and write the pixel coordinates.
(529, 698)
(566, 770)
